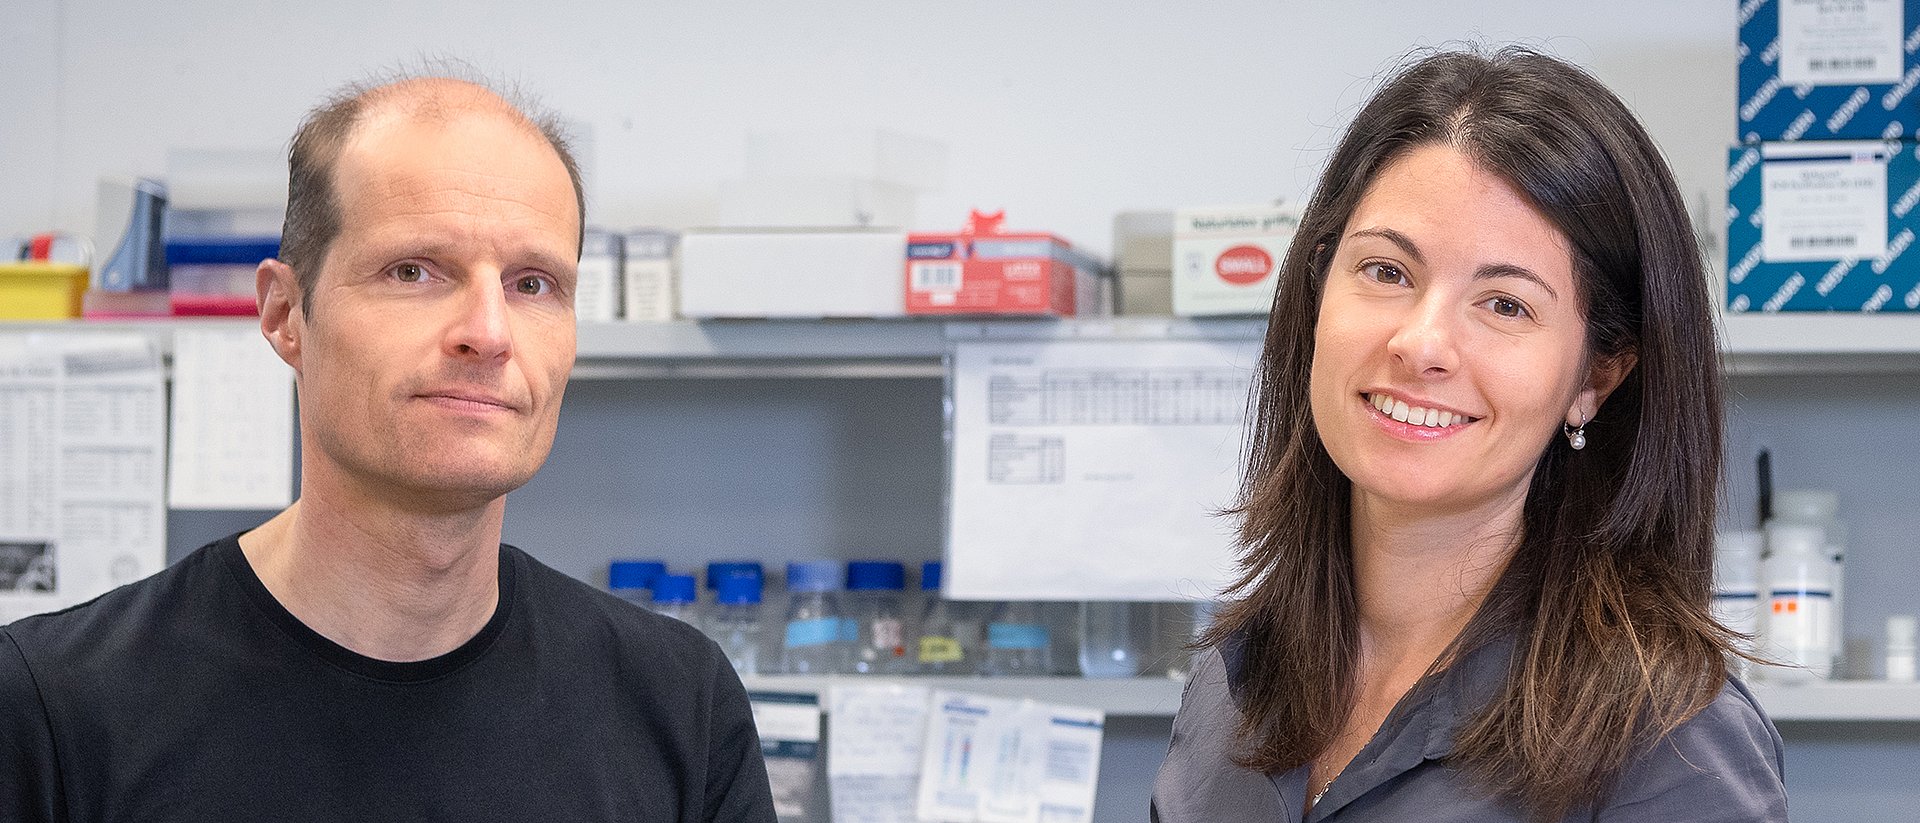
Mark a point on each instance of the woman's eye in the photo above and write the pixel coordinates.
(1507, 307)
(409, 273)
(532, 286)
(1384, 273)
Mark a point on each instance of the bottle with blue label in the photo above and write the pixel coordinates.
(675, 596)
(734, 622)
(873, 600)
(1019, 643)
(817, 637)
(632, 580)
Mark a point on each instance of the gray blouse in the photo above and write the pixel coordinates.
(1725, 764)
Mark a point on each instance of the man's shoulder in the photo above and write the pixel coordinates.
(108, 624)
(567, 604)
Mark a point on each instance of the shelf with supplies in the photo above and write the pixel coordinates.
(1117, 696)
(1830, 702)
(1756, 344)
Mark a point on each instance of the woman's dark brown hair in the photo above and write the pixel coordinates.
(1606, 595)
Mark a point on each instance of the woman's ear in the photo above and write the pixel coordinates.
(1606, 375)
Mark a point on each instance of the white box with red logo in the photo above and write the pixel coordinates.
(1226, 260)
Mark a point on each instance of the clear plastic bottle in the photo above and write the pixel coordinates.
(1112, 639)
(676, 596)
(1019, 643)
(873, 601)
(1737, 585)
(949, 642)
(817, 636)
(734, 622)
(632, 580)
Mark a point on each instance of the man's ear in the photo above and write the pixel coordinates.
(282, 317)
(1605, 376)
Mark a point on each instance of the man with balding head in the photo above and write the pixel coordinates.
(374, 652)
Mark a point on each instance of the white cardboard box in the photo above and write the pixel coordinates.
(1226, 260)
(825, 272)
(647, 275)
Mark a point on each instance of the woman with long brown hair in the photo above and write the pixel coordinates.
(1477, 517)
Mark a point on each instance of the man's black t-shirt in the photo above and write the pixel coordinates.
(194, 695)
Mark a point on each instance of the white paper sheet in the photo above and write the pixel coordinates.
(232, 434)
(1823, 201)
(875, 737)
(1092, 469)
(789, 729)
(997, 760)
(1833, 44)
(81, 468)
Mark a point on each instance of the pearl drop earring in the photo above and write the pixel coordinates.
(1576, 435)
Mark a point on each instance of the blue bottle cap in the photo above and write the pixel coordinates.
(634, 574)
(721, 570)
(876, 575)
(738, 589)
(813, 576)
(673, 588)
(930, 576)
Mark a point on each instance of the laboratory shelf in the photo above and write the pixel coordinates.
(1756, 344)
(1832, 702)
(1118, 697)
(1821, 343)
(1840, 701)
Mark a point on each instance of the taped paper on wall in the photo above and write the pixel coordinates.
(998, 760)
(1094, 469)
(82, 422)
(232, 433)
(875, 736)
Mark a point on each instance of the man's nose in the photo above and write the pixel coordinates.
(1426, 343)
(481, 327)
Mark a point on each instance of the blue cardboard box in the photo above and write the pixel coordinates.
(1823, 226)
(1828, 69)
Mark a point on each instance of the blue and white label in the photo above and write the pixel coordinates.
(820, 631)
(1016, 636)
(1825, 43)
(1823, 208)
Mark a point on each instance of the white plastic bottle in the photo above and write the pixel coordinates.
(817, 636)
(1112, 639)
(1799, 620)
(1736, 587)
(949, 641)
(1821, 508)
(1019, 643)
(735, 621)
(1901, 629)
(873, 602)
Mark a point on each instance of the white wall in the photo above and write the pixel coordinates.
(1061, 112)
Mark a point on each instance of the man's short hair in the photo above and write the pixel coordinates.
(313, 206)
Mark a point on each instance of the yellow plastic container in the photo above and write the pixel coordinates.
(41, 291)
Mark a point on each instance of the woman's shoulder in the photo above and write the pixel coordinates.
(1199, 780)
(1726, 761)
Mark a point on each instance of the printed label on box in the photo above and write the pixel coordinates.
(1823, 209)
(596, 294)
(935, 276)
(1835, 42)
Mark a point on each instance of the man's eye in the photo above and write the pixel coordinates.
(409, 273)
(531, 286)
